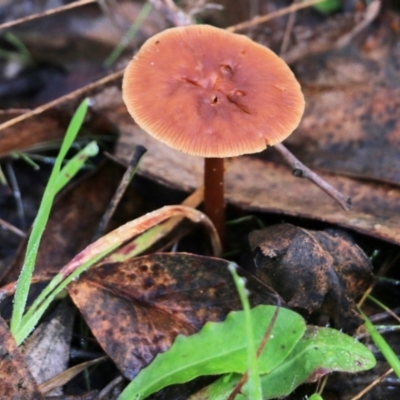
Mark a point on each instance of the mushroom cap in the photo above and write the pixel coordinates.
(211, 93)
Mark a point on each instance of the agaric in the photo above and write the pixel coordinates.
(211, 93)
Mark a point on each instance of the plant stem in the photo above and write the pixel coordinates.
(214, 205)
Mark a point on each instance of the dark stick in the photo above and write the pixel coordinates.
(214, 204)
(13, 182)
(139, 151)
(301, 171)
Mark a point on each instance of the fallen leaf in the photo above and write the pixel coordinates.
(137, 308)
(55, 383)
(17, 383)
(47, 349)
(351, 125)
(263, 185)
(313, 270)
(32, 134)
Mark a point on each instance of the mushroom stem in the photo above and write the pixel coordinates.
(214, 204)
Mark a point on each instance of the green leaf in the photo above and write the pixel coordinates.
(315, 396)
(320, 351)
(219, 348)
(328, 6)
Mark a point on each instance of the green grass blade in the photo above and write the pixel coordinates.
(390, 356)
(56, 286)
(75, 164)
(24, 280)
(252, 363)
(143, 14)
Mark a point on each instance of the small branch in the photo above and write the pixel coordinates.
(172, 13)
(372, 384)
(12, 228)
(278, 13)
(301, 171)
(13, 182)
(288, 30)
(371, 13)
(126, 179)
(52, 11)
(70, 96)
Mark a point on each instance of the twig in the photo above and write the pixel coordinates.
(62, 99)
(139, 151)
(372, 384)
(288, 30)
(12, 179)
(301, 171)
(106, 391)
(279, 13)
(12, 228)
(172, 13)
(370, 14)
(31, 17)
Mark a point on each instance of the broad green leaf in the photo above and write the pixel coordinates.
(219, 348)
(320, 351)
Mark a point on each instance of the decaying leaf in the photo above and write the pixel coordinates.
(32, 134)
(313, 270)
(264, 185)
(16, 382)
(47, 350)
(137, 308)
(351, 124)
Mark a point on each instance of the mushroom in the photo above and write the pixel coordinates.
(212, 93)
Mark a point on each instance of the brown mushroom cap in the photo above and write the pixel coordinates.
(211, 93)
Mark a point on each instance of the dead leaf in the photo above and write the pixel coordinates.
(313, 270)
(351, 125)
(31, 134)
(16, 382)
(54, 384)
(47, 349)
(137, 308)
(263, 185)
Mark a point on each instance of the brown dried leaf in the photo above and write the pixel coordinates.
(31, 134)
(137, 308)
(351, 125)
(16, 382)
(47, 350)
(262, 185)
(313, 270)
